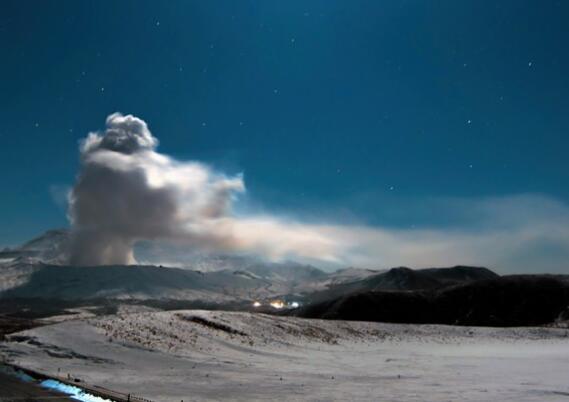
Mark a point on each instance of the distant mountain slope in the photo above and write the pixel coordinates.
(403, 278)
(50, 247)
(37, 269)
(25, 280)
(139, 282)
(351, 274)
(518, 300)
(50, 240)
(207, 277)
(456, 295)
(289, 271)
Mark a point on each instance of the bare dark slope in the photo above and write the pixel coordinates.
(518, 300)
(403, 278)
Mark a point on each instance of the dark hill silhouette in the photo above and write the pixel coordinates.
(517, 300)
(403, 278)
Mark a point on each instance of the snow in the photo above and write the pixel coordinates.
(350, 275)
(212, 355)
(15, 273)
(29, 280)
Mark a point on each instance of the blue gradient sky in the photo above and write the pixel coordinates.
(361, 111)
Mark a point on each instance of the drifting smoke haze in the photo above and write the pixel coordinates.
(126, 191)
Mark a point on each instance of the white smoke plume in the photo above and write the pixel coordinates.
(126, 191)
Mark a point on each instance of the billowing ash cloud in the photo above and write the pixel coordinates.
(126, 191)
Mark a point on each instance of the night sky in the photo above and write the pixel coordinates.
(399, 114)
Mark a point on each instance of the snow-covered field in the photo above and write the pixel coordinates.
(202, 355)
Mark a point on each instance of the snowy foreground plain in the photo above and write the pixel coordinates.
(212, 355)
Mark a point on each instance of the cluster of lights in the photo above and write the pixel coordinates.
(278, 304)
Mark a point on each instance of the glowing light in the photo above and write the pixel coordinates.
(257, 304)
(295, 304)
(74, 392)
(278, 304)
